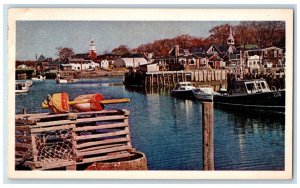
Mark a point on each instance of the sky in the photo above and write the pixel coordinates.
(43, 37)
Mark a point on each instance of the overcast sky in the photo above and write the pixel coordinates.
(42, 37)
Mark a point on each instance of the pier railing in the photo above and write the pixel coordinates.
(165, 78)
(50, 141)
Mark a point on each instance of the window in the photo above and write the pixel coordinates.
(275, 53)
(263, 85)
(250, 86)
(265, 53)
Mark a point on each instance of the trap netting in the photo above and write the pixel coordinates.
(54, 146)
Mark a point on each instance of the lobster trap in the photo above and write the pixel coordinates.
(53, 141)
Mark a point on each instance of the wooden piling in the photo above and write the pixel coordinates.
(207, 135)
(24, 111)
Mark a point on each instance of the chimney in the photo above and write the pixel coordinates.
(176, 50)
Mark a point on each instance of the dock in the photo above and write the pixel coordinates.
(167, 78)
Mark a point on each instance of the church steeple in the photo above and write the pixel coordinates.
(230, 40)
(92, 50)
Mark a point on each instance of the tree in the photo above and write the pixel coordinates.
(243, 35)
(267, 33)
(219, 34)
(64, 53)
(121, 50)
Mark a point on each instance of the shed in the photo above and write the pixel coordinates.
(130, 62)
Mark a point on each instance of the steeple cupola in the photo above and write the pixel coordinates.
(92, 50)
(230, 40)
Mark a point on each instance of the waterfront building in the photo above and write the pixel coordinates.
(181, 59)
(80, 64)
(273, 57)
(104, 64)
(107, 61)
(22, 66)
(132, 61)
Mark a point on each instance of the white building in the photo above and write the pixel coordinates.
(22, 66)
(254, 62)
(130, 62)
(81, 64)
(104, 64)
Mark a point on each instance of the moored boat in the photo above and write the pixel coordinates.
(64, 80)
(203, 93)
(28, 83)
(183, 90)
(21, 88)
(38, 78)
(252, 93)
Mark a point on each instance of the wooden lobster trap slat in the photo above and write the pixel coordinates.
(49, 141)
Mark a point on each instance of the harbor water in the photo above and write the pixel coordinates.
(169, 131)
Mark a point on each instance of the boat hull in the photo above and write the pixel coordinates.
(203, 96)
(267, 100)
(184, 94)
(62, 81)
(22, 91)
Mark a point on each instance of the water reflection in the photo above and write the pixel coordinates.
(168, 130)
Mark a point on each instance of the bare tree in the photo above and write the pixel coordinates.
(64, 53)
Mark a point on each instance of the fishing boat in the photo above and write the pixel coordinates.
(38, 78)
(183, 90)
(21, 88)
(203, 93)
(28, 83)
(64, 80)
(252, 93)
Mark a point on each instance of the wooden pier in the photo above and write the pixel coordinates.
(167, 78)
(51, 141)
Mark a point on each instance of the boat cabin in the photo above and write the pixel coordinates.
(251, 86)
(184, 86)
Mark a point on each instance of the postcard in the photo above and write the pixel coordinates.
(150, 93)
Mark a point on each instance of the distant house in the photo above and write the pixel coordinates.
(179, 59)
(54, 66)
(128, 62)
(107, 60)
(273, 56)
(254, 62)
(22, 66)
(42, 63)
(104, 64)
(215, 61)
(66, 67)
(80, 64)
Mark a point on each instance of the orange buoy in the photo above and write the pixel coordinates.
(59, 102)
(94, 103)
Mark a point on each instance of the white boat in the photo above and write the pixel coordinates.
(21, 88)
(38, 78)
(61, 81)
(183, 90)
(28, 83)
(203, 93)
